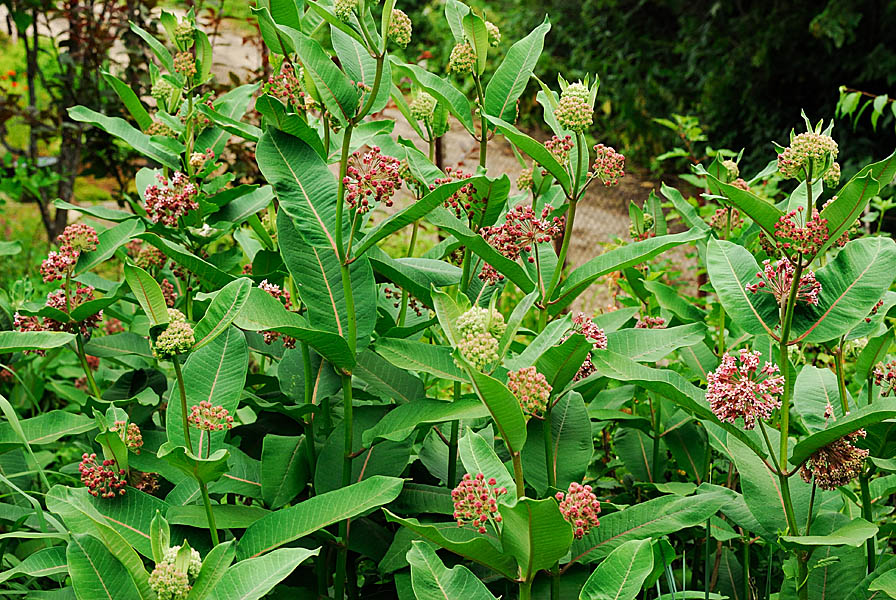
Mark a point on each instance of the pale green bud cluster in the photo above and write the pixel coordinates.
(480, 329)
(169, 583)
(177, 337)
(423, 107)
(184, 33)
(808, 152)
(525, 182)
(195, 560)
(574, 111)
(832, 177)
(400, 28)
(852, 348)
(161, 91)
(732, 168)
(344, 8)
(479, 349)
(479, 320)
(462, 59)
(494, 34)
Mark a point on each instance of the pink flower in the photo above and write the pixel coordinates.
(837, 463)
(885, 377)
(531, 389)
(171, 199)
(521, 231)
(609, 165)
(594, 334)
(580, 507)
(777, 279)
(371, 178)
(476, 502)
(210, 418)
(103, 480)
(463, 201)
(744, 390)
(649, 322)
(793, 236)
(283, 296)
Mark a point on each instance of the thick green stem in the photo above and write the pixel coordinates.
(347, 417)
(213, 529)
(561, 259)
(452, 444)
(518, 474)
(82, 356)
(870, 543)
(784, 359)
(374, 91)
(526, 590)
(175, 360)
(841, 383)
(657, 422)
(483, 136)
(309, 400)
(747, 589)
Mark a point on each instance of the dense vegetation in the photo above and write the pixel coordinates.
(229, 389)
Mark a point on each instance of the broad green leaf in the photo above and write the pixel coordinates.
(109, 241)
(203, 469)
(417, 276)
(289, 524)
(222, 311)
(46, 428)
(478, 549)
(881, 410)
(670, 299)
(203, 269)
(148, 294)
(214, 565)
(243, 207)
(763, 213)
(277, 115)
(284, 469)
(433, 581)
(688, 213)
(156, 46)
(8, 248)
(420, 357)
(130, 100)
(334, 21)
(731, 268)
(253, 578)
(478, 456)
(650, 345)
(159, 537)
(401, 422)
(535, 533)
(440, 89)
(95, 573)
(303, 184)
(885, 583)
(360, 66)
(851, 285)
(515, 321)
(654, 518)
(815, 389)
(17, 341)
(335, 89)
(227, 516)
(504, 408)
(834, 571)
(263, 312)
(614, 260)
(512, 75)
(236, 127)
(571, 445)
(534, 149)
(622, 574)
(853, 533)
(549, 337)
(454, 13)
(477, 36)
(130, 515)
(559, 364)
(111, 346)
(43, 563)
(121, 129)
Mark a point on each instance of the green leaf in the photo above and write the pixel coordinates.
(95, 572)
(236, 127)
(815, 389)
(10, 248)
(109, 241)
(289, 524)
(885, 583)
(110, 346)
(222, 311)
(668, 298)
(203, 469)
(130, 100)
(263, 312)
(214, 566)
(420, 357)
(204, 270)
(478, 456)
(512, 75)
(651, 519)
(277, 115)
(100, 212)
(454, 13)
(227, 516)
(159, 537)
(121, 129)
(731, 268)
(477, 36)
(881, 410)
(253, 578)
(401, 422)
(417, 276)
(335, 21)
(535, 533)
(504, 408)
(614, 260)
(763, 213)
(360, 66)
(534, 149)
(335, 89)
(156, 46)
(148, 294)
(448, 95)
(433, 581)
(17, 341)
(684, 208)
(478, 549)
(43, 563)
(851, 285)
(853, 533)
(651, 345)
(559, 364)
(572, 445)
(284, 469)
(46, 428)
(622, 574)
(303, 184)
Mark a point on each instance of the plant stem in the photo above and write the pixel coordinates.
(841, 383)
(747, 591)
(309, 399)
(561, 259)
(518, 474)
(657, 420)
(82, 357)
(208, 512)
(405, 295)
(342, 559)
(784, 360)
(483, 136)
(870, 543)
(175, 360)
(526, 590)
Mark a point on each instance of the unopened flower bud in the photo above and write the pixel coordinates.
(494, 34)
(462, 59)
(400, 28)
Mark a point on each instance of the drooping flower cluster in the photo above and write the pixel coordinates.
(531, 389)
(185, 64)
(370, 178)
(285, 86)
(837, 463)
(171, 199)
(648, 322)
(874, 310)
(741, 184)
(177, 337)
(400, 28)
(160, 129)
(744, 390)
(423, 107)
(206, 417)
(146, 256)
(521, 231)
(494, 34)
(885, 377)
(74, 239)
(719, 219)
(794, 237)
(777, 278)
(283, 296)
(580, 507)
(480, 329)
(524, 181)
(609, 165)
(168, 292)
(103, 479)
(559, 149)
(462, 59)
(169, 583)
(574, 111)
(463, 202)
(807, 153)
(583, 324)
(130, 434)
(145, 482)
(396, 295)
(476, 502)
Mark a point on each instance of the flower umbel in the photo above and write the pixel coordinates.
(370, 178)
(574, 111)
(739, 388)
(521, 231)
(837, 463)
(885, 377)
(103, 480)
(609, 165)
(580, 507)
(583, 324)
(476, 502)
(171, 199)
(807, 153)
(169, 583)
(400, 28)
(777, 279)
(206, 417)
(531, 389)
(462, 59)
(177, 338)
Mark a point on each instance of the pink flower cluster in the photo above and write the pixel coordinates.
(559, 149)
(649, 322)
(413, 303)
(476, 501)
(74, 240)
(283, 296)
(463, 201)
(744, 390)
(168, 292)
(58, 300)
(580, 507)
(210, 418)
(130, 434)
(531, 389)
(286, 87)
(885, 377)
(171, 199)
(102, 479)
(719, 219)
(837, 463)
(777, 278)
(371, 178)
(521, 231)
(609, 165)
(794, 237)
(594, 334)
